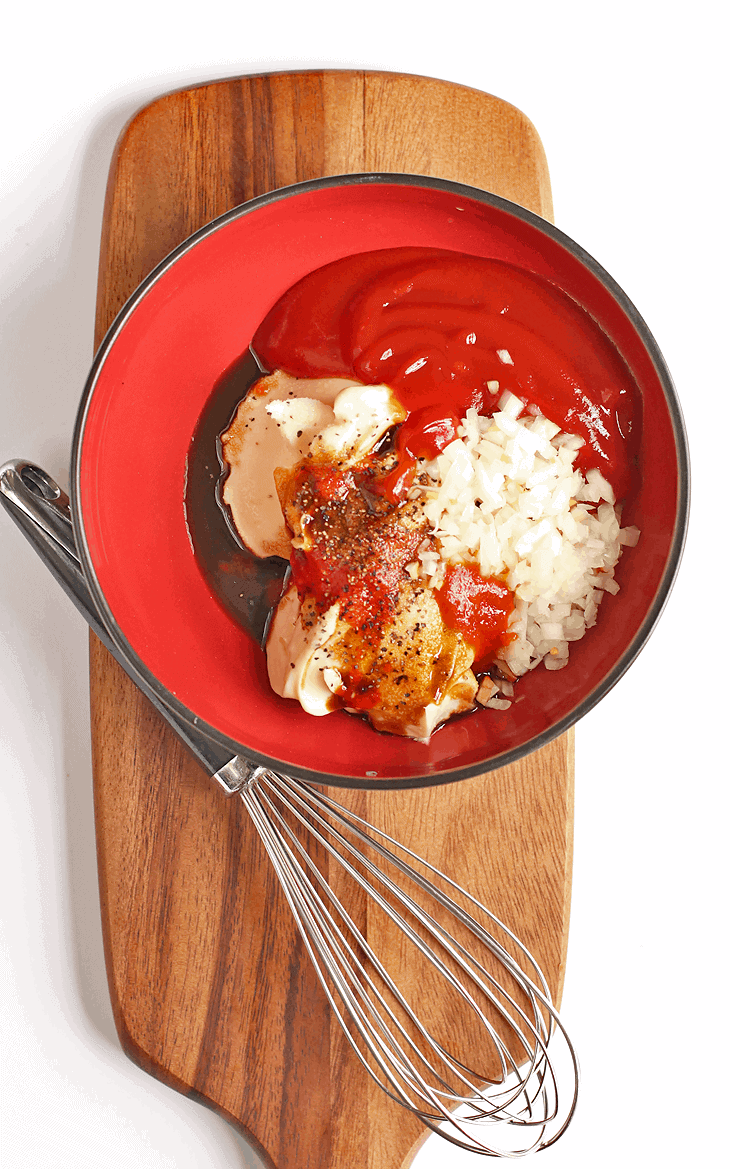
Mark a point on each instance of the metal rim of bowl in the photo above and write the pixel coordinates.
(678, 536)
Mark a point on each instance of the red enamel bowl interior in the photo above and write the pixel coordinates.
(189, 322)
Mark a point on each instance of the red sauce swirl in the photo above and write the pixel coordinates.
(432, 325)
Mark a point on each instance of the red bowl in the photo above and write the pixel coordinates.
(193, 318)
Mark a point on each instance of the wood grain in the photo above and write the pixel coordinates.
(211, 988)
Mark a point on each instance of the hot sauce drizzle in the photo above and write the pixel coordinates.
(479, 607)
(353, 543)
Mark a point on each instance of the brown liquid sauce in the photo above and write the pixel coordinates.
(246, 586)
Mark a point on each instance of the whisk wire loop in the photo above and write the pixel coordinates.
(391, 1040)
(434, 927)
(317, 932)
(442, 936)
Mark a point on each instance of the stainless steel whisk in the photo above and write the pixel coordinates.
(512, 1104)
(511, 1113)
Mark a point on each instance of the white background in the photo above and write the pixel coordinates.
(629, 101)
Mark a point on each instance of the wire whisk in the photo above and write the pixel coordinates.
(499, 1001)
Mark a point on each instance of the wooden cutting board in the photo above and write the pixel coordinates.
(211, 988)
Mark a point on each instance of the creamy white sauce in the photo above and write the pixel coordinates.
(258, 441)
(299, 663)
(362, 414)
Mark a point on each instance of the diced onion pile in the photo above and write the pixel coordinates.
(505, 496)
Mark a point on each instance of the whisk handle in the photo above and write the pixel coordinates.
(42, 512)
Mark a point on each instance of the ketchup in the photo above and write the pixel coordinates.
(479, 607)
(438, 327)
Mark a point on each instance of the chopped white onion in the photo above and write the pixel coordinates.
(505, 496)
